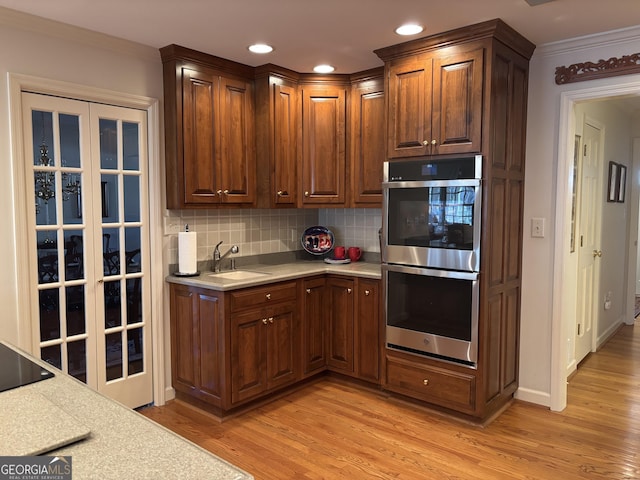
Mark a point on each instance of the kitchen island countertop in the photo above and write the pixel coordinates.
(122, 443)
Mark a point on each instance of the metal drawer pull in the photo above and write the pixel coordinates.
(425, 382)
(264, 320)
(367, 292)
(270, 319)
(268, 295)
(306, 194)
(308, 290)
(348, 290)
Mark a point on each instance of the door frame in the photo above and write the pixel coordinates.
(17, 84)
(560, 324)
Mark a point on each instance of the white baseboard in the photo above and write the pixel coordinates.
(533, 396)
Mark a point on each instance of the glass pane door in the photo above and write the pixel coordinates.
(58, 174)
(123, 340)
(86, 174)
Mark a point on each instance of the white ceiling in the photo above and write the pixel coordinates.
(304, 33)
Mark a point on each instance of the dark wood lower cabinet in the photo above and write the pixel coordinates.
(264, 350)
(314, 325)
(197, 343)
(368, 330)
(439, 385)
(340, 331)
(231, 348)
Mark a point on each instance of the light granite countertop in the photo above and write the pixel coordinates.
(122, 443)
(277, 273)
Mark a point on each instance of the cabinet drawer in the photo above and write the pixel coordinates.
(262, 296)
(432, 384)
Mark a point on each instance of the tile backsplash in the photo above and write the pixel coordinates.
(260, 231)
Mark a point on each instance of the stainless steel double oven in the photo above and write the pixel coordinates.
(431, 256)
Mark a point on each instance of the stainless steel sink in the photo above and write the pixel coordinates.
(238, 275)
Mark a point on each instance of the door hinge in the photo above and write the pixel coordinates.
(579, 329)
(585, 151)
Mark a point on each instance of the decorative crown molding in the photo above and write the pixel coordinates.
(615, 66)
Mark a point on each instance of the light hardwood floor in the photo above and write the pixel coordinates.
(332, 430)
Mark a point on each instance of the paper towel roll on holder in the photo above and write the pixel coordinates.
(187, 251)
(180, 274)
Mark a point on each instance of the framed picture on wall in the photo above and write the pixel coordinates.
(612, 189)
(622, 181)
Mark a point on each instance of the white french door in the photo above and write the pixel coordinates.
(86, 171)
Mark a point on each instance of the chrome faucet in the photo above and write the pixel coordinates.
(217, 258)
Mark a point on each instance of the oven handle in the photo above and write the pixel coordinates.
(430, 272)
(433, 183)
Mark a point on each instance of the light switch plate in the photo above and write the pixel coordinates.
(537, 227)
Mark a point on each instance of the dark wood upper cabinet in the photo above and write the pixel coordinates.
(435, 103)
(367, 138)
(209, 130)
(278, 132)
(324, 144)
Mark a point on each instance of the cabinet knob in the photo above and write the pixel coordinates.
(270, 319)
(268, 296)
(425, 142)
(226, 192)
(279, 193)
(308, 290)
(425, 382)
(306, 194)
(367, 292)
(219, 192)
(348, 290)
(433, 142)
(264, 320)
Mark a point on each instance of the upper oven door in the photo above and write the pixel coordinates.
(434, 223)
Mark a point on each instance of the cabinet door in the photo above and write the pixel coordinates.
(196, 342)
(457, 102)
(368, 142)
(248, 355)
(340, 334)
(409, 107)
(237, 142)
(314, 325)
(200, 138)
(282, 351)
(285, 148)
(323, 145)
(367, 337)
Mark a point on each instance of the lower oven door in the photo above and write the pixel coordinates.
(432, 312)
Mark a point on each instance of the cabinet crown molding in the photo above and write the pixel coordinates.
(177, 53)
(496, 29)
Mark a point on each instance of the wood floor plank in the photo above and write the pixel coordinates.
(335, 430)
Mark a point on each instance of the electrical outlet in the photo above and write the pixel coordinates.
(537, 227)
(171, 226)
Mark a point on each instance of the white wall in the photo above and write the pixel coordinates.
(40, 48)
(542, 177)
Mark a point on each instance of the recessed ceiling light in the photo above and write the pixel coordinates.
(323, 69)
(409, 29)
(260, 48)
